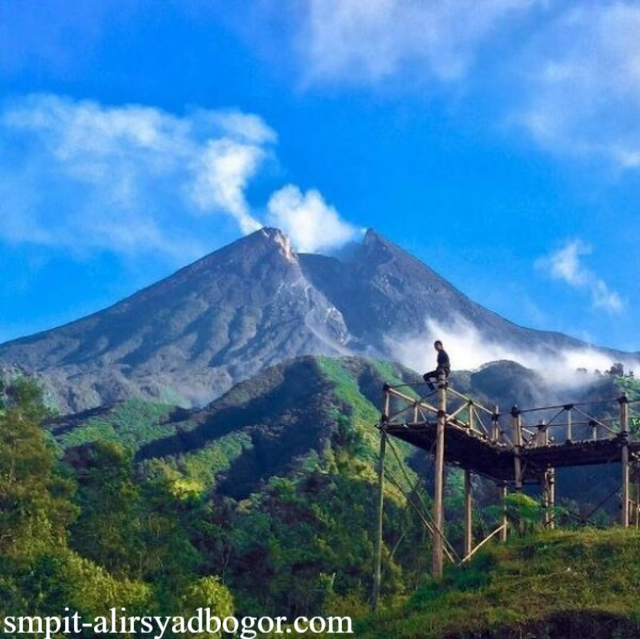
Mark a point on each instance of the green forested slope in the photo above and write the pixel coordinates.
(93, 539)
(270, 492)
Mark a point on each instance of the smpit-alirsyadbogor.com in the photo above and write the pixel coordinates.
(203, 621)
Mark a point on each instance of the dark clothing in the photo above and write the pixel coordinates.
(443, 361)
(435, 374)
(444, 368)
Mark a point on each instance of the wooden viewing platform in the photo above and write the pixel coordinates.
(511, 449)
(497, 462)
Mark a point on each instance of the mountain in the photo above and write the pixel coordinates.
(252, 304)
(189, 337)
(381, 291)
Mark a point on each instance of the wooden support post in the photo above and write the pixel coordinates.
(552, 498)
(486, 540)
(503, 498)
(438, 497)
(544, 484)
(377, 570)
(516, 421)
(549, 497)
(636, 503)
(624, 438)
(468, 514)
(377, 575)
(544, 433)
(495, 424)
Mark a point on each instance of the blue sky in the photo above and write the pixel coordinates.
(498, 140)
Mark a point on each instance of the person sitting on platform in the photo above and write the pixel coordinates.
(443, 366)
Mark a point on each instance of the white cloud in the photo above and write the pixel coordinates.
(245, 126)
(311, 224)
(367, 41)
(566, 265)
(583, 84)
(469, 349)
(133, 179)
(84, 176)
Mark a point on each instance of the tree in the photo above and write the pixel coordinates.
(524, 513)
(209, 593)
(130, 538)
(108, 530)
(617, 369)
(35, 506)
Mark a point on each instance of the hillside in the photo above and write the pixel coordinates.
(276, 422)
(285, 464)
(270, 425)
(554, 585)
(248, 306)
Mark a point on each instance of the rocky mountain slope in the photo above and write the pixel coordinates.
(248, 306)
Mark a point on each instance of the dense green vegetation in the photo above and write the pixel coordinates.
(93, 540)
(195, 473)
(149, 531)
(308, 535)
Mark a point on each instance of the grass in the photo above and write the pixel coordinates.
(133, 423)
(347, 390)
(361, 413)
(555, 584)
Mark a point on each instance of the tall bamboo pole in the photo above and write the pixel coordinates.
(377, 571)
(549, 482)
(544, 482)
(624, 438)
(495, 424)
(505, 521)
(516, 421)
(636, 503)
(438, 497)
(552, 498)
(468, 514)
